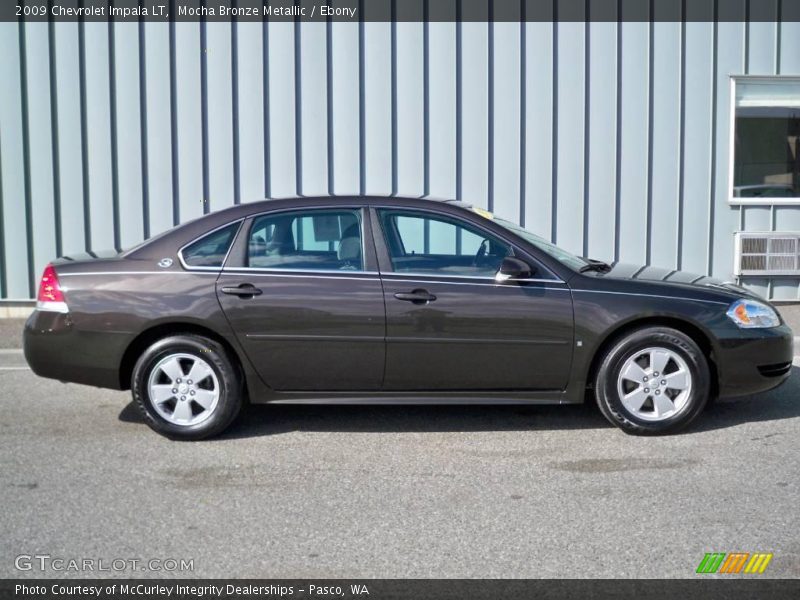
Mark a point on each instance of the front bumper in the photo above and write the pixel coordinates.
(750, 361)
(56, 348)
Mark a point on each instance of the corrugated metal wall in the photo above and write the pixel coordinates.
(611, 139)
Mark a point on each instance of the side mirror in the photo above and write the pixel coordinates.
(511, 269)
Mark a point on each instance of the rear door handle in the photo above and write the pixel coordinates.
(416, 296)
(243, 290)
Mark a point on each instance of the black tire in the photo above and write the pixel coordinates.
(229, 379)
(606, 380)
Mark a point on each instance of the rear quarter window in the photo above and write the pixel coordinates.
(211, 249)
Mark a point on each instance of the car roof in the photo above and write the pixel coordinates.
(348, 199)
(246, 209)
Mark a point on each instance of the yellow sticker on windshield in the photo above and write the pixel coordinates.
(484, 213)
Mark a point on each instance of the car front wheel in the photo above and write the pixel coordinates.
(654, 380)
(187, 387)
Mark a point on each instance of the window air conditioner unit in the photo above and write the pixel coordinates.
(771, 253)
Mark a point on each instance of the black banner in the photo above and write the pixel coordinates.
(400, 10)
(386, 589)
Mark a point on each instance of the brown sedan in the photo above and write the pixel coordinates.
(391, 300)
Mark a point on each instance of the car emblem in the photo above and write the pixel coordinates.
(165, 263)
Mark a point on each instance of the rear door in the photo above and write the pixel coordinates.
(302, 292)
(450, 326)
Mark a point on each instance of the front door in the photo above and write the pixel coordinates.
(450, 326)
(304, 303)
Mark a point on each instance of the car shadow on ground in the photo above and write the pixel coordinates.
(260, 420)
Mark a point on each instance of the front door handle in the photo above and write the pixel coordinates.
(243, 290)
(416, 296)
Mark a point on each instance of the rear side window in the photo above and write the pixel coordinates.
(327, 240)
(211, 249)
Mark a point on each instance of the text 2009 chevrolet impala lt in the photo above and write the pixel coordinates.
(391, 300)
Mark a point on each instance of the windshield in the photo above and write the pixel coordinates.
(567, 258)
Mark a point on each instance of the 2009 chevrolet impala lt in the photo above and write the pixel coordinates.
(391, 300)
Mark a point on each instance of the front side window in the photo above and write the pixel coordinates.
(423, 243)
(321, 239)
(210, 250)
(766, 149)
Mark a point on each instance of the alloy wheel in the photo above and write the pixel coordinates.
(655, 384)
(183, 389)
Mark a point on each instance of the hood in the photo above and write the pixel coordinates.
(684, 279)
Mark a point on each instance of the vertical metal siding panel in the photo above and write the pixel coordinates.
(159, 151)
(665, 142)
(634, 142)
(506, 120)
(474, 113)
(378, 109)
(189, 120)
(787, 218)
(757, 218)
(98, 142)
(15, 238)
(345, 90)
(314, 94)
(762, 55)
(697, 149)
(784, 289)
(69, 137)
(410, 109)
(220, 116)
(442, 65)
(757, 285)
(730, 52)
(790, 46)
(128, 133)
(282, 109)
(570, 134)
(539, 128)
(41, 140)
(251, 111)
(602, 139)
(760, 60)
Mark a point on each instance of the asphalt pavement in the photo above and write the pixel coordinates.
(326, 491)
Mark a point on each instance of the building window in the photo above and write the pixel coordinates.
(766, 133)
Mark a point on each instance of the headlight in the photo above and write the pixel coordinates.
(750, 314)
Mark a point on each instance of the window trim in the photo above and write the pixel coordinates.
(358, 209)
(732, 200)
(188, 267)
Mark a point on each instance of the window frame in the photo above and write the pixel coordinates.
(739, 201)
(238, 257)
(186, 266)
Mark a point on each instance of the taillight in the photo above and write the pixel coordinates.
(50, 295)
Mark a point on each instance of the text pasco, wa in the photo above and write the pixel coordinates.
(267, 10)
(158, 590)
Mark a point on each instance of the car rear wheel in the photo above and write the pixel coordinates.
(654, 380)
(187, 387)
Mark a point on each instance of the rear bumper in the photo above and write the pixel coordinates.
(55, 348)
(753, 361)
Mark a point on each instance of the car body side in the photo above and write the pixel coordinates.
(118, 306)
